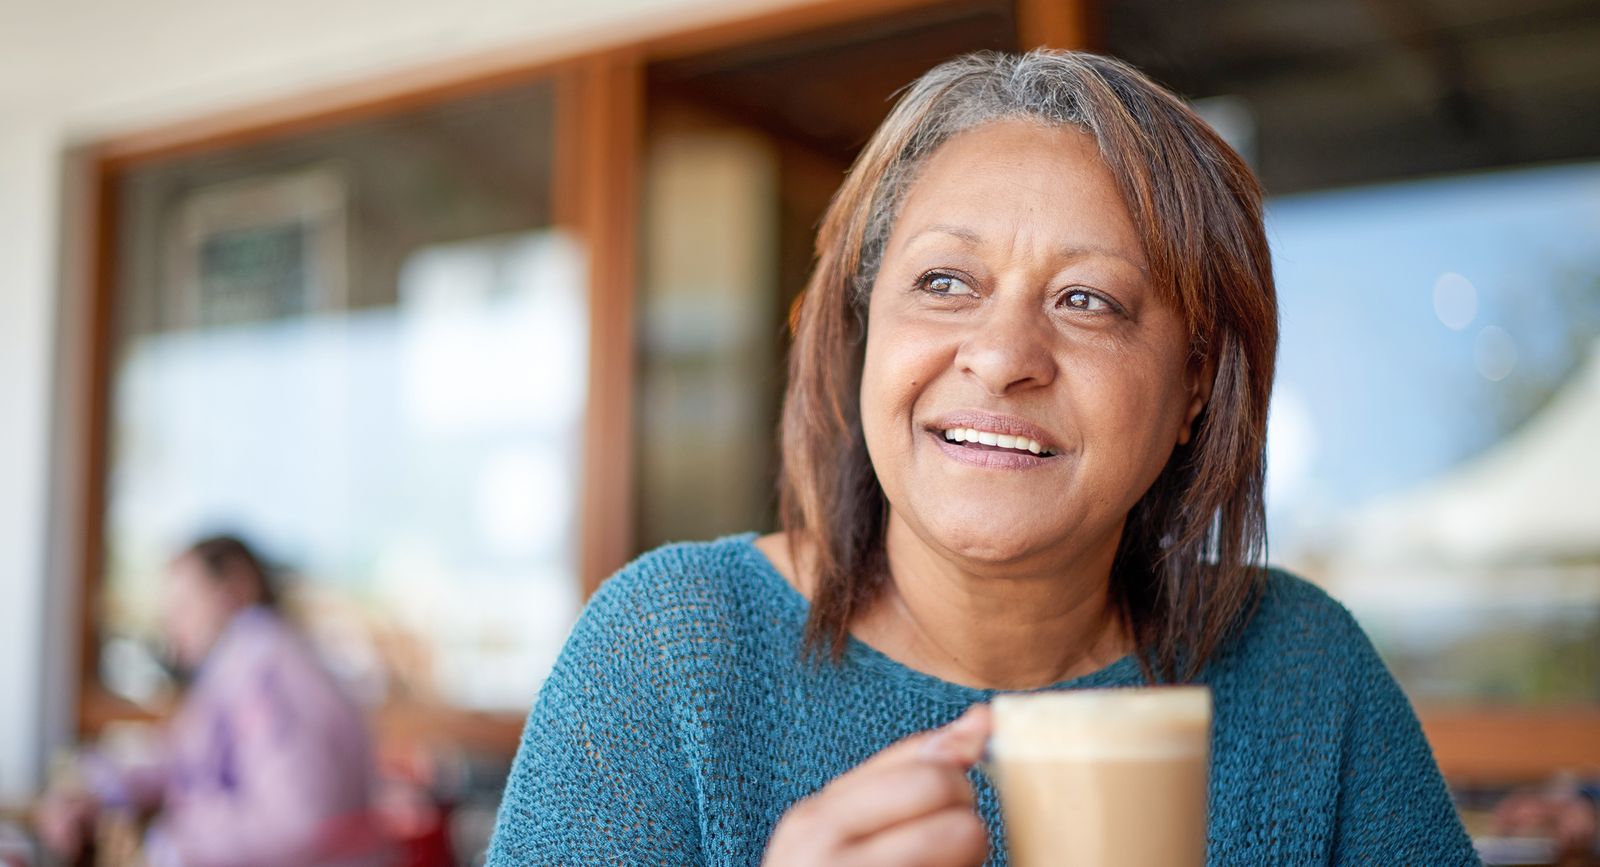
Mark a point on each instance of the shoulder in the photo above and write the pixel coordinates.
(1297, 612)
(619, 735)
(680, 581)
(266, 669)
(693, 601)
(1297, 629)
(257, 639)
(1306, 706)
(679, 623)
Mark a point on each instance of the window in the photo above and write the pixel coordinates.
(364, 349)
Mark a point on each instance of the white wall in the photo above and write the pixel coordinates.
(75, 70)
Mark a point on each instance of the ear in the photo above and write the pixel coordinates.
(1201, 375)
(238, 592)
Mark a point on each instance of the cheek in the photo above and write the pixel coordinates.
(181, 617)
(881, 405)
(1133, 403)
(898, 365)
(1131, 413)
(187, 615)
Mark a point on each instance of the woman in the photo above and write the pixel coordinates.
(1023, 449)
(265, 764)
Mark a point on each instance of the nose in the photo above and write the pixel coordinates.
(1008, 349)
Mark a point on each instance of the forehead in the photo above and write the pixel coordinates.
(1020, 178)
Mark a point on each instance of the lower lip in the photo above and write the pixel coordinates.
(989, 458)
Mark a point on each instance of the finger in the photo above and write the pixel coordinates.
(869, 803)
(954, 746)
(960, 741)
(952, 837)
(964, 740)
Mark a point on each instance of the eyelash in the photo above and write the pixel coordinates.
(1111, 306)
(927, 277)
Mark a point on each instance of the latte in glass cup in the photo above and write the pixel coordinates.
(1103, 778)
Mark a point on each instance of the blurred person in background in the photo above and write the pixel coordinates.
(266, 761)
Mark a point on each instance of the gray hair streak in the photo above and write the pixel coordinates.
(967, 92)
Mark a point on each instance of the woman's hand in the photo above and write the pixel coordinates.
(910, 804)
(65, 821)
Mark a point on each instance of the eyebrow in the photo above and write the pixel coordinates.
(969, 236)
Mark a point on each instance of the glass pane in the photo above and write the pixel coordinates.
(364, 350)
(1431, 440)
(709, 374)
(1434, 425)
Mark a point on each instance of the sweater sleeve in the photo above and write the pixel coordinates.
(600, 776)
(1393, 804)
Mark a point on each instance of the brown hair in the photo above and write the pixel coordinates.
(228, 558)
(1186, 571)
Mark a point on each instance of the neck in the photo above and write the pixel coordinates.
(214, 636)
(1017, 626)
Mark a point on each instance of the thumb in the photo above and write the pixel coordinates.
(961, 741)
(958, 742)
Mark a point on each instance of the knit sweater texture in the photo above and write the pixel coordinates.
(681, 721)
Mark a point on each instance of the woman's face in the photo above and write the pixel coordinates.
(196, 610)
(1014, 301)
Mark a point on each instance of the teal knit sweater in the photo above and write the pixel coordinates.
(680, 723)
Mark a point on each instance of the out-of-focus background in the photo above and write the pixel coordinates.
(453, 309)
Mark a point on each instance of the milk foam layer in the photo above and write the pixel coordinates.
(1121, 724)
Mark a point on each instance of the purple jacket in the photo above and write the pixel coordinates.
(267, 762)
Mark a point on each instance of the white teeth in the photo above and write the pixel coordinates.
(1005, 441)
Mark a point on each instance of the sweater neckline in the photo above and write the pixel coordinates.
(1124, 671)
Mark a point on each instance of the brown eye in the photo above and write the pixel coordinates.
(946, 284)
(1082, 299)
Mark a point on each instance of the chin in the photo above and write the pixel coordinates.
(992, 543)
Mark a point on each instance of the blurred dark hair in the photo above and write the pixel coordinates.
(227, 558)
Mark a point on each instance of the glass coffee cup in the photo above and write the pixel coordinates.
(1103, 778)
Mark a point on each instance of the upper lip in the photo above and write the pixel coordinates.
(1000, 424)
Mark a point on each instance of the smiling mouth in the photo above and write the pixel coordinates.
(982, 440)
